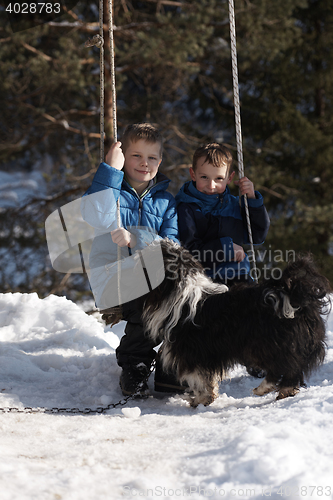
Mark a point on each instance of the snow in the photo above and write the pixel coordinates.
(18, 188)
(52, 354)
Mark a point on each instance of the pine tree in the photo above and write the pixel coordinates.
(173, 68)
(50, 94)
(290, 111)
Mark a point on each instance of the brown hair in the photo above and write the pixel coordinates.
(214, 153)
(145, 131)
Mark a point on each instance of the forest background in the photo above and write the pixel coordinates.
(173, 69)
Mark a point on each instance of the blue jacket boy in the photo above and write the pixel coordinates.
(147, 217)
(212, 224)
(148, 212)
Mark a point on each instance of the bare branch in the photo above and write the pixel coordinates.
(66, 125)
(81, 177)
(35, 51)
(272, 192)
(169, 2)
(70, 12)
(94, 27)
(188, 139)
(61, 284)
(47, 199)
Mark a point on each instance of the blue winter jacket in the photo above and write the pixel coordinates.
(210, 224)
(152, 217)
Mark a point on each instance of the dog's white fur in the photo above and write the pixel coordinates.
(191, 291)
(288, 310)
(264, 388)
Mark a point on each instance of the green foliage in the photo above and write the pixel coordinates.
(173, 68)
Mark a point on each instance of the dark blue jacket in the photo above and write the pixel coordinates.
(210, 224)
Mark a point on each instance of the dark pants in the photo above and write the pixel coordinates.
(135, 347)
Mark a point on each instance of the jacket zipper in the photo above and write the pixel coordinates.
(140, 202)
(140, 208)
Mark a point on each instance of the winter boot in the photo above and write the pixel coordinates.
(134, 380)
(166, 381)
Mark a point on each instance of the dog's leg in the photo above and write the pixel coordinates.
(267, 385)
(289, 387)
(286, 392)
(203, 389)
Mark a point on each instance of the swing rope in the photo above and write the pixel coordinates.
(98, 41)
(112, 72)
(238, 126)
(114, 127)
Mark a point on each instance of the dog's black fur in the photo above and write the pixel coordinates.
(276, 325)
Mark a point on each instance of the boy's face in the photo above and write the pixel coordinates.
(210, 179)
(142, 160)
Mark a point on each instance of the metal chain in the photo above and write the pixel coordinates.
(78, 411)
(238, 126)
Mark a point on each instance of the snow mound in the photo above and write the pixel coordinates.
(52, 354)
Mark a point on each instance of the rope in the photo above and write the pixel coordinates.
(238, 126)
(101, 80)
(114, 127)
(98, 41)
(113, 78)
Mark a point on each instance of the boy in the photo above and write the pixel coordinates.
(212, 225)
(130, 174)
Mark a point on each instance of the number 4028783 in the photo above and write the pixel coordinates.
(305, 491)
(34, 8)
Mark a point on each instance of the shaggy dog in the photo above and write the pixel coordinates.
(276, 325)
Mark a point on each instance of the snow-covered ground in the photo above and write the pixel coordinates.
(54, 355)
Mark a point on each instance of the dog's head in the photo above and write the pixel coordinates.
(305, 286)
